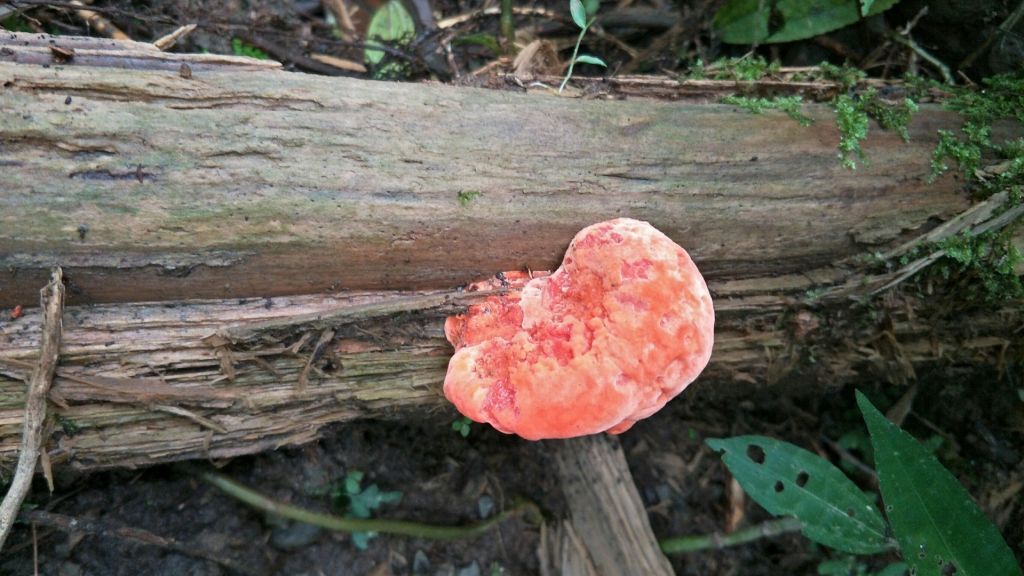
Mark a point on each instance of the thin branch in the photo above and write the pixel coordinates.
(51, 299)
(1005, 28)
(997, 223)
(903, 37)
(341, 524)
(99, 22)
(717, 541)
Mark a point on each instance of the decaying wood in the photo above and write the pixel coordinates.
(46, 50)
(141, 383)
(225, 192)
(33, 441)
(608, 531)
(146, 185)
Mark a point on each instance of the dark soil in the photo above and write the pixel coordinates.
(447, 479)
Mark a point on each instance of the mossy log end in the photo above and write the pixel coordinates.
(254, 254)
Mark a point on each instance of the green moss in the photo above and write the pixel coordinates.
(69, 426)
(984, 265)
(852, 114)
(747, 69)
(15, 23)
(697, 70)
(1001, 98)
(965, 153)
(852, 120)
(241, 48)
(467, 196)
(789, 104)
(890, 116)
(846, 76)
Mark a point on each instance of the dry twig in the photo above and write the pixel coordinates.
(99, 22)
(51, 299)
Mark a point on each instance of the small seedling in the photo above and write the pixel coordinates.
(462, 426)
(579, 16)
(467, 196)
(362, 502)
(241, 48)
(69, 426)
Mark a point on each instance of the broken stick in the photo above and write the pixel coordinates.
(51, 299)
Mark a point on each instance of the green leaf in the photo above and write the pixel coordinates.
(352, 482)
(762, 21)
(894, 569)
(391, 24)
(579, 13)
(788, 480)
(934, 519)
(361, 540)
(481, 39)
(587, 59)
(240, 48)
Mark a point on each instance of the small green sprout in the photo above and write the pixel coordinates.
(69, 426)
(461, 426)
(467, 196)
(362, 502)
(241, 48)
(579, 16)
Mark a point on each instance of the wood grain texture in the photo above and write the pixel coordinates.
(141, 383)
(606, 514)
(148, 186)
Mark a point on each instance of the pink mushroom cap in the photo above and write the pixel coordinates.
(619, 329)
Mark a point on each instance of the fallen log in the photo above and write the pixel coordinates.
(253, 255)
(141, 383)
(146, 185)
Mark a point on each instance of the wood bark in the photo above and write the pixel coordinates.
(146, 185)
(608, 531)
(191, 214)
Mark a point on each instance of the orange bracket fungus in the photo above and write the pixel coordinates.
(619, 329)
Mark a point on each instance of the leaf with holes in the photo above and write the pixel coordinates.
(790, 481)
(939, 528)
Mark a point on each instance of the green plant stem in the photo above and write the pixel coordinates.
(717, 541)
(508, 26)
(575, 51)
(341, 524)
